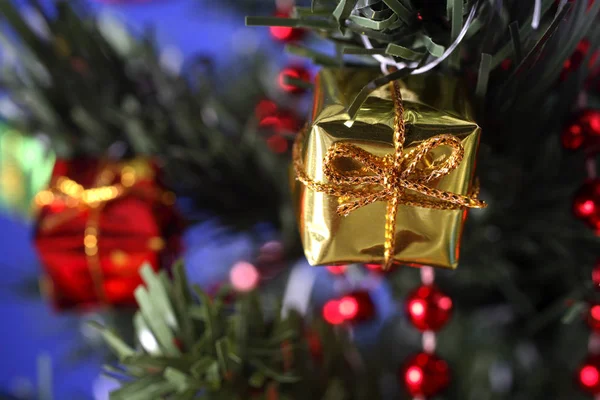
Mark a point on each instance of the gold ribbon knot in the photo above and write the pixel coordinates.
(397, 178)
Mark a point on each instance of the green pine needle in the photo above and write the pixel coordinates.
(229, 353)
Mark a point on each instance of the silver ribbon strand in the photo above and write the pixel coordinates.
(386, 62)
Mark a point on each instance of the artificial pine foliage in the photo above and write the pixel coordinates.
(96, 90)
(193, 346)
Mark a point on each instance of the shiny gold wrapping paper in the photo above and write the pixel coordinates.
(433, 105)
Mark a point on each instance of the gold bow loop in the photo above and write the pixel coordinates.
(378, 180)
(399, 178)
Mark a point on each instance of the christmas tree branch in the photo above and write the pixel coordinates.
(191, 344)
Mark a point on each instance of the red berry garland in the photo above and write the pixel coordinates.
(572, 136)
(428, 308)
(331, 313)
(589, 375)
(354, 307)
(265, 108)
(596, 275)
(590, 120)
(593, 317)
(315, 346)
(574, 62)
(279, 122)
(583, 132)
(285, 33)
(296, 72)
(590, 123)
(426, 375)
(586, 203)
(337, 269)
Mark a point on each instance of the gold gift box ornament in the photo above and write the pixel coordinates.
(393, 185)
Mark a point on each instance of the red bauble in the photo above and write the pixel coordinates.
(373, 267)
(331, 312)
(378, 268)
(586, 203)
(583, 132)
(425, 375)
(348, 307)
(357, 306)
(315, 346)
(572, 136)
(337, 269)
(296, 72)
(265, 108)
(574, 62)
(428, 308)
(277, 144)
(354, 307)
(593, 317)
(588, 375)
(285, 33)
(281, 122)
(589, 120)
(596, 275)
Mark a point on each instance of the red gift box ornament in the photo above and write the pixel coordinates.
(98, 223)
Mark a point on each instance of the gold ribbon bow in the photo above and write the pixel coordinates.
(389, 178)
